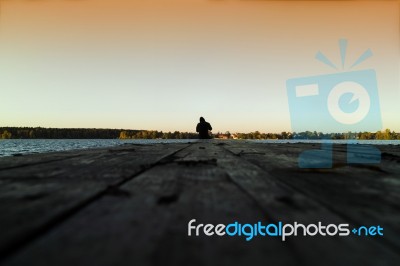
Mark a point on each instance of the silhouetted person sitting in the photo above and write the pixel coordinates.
(203, 127)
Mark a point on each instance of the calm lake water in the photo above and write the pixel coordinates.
(10, 147)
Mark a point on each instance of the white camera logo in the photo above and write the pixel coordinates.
(359, 93)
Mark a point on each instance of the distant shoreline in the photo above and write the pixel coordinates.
(93, 133)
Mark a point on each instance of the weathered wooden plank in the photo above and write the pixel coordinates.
(11, 162)
(35, 197)
(362, 195)
(144, 221)
(285, 204)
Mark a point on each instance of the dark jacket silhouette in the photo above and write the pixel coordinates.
(203, 127)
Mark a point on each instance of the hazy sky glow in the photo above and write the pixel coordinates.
(161, 64)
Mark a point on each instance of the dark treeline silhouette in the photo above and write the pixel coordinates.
(58, 133)
(379, 135)
(88, 133)
(154, 134)
(93, 133)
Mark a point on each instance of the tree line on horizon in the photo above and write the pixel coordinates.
(93, 133)
(379, 135)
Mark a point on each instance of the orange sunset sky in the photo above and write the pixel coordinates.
(160, 64)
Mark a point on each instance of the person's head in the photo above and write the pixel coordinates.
(202, 119)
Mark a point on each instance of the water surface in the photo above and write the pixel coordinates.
(10, 147)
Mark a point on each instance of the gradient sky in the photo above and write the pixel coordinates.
(161, 64)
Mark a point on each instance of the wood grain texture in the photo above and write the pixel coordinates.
(131, 205)
(36, 195)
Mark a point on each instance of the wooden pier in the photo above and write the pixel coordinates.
(131, 205)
